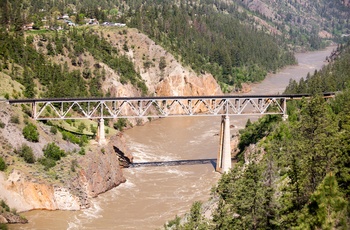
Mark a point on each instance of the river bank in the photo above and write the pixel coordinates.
(153, 195)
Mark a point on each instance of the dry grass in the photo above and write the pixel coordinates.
(9, 86)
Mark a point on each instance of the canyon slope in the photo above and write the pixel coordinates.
(77, 177)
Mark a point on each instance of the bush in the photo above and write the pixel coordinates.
(2, 125)
(76, 139)
(4, 206)
(93, 129)
(74, 164)
(81, 127)
(3, 165)
(53, 130)
(47, 163)
(14, 119)
(82, 151)
(52, 151)
(27, 153)
(3, 227)
(120, 124)
(30, 133)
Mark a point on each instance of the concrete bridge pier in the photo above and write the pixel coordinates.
(101, 138)
(223, 162)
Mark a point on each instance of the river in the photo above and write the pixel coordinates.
(153, 195)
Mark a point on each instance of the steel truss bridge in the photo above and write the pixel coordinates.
(140, 107)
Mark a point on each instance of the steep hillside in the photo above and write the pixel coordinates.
(235, 41)
(304, 23)
(201, 35)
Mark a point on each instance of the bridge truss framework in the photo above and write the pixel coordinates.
(139, 107)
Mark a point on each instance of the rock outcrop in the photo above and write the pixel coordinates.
(98, 171)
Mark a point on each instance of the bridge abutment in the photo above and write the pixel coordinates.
(223, 162)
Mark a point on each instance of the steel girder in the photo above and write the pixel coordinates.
(156, 107)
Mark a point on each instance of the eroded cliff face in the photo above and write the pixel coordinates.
(97, 172)
(27, 186)
(167, 79)
(23, 194)
(100, 170)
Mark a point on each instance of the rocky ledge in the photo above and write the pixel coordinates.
(98, 171)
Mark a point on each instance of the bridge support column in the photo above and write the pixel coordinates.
(285, 115)
(101, 138)
(223, 162)
(33, 110)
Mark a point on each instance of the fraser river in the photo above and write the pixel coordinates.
(153, 195)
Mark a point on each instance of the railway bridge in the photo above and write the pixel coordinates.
(157, 107)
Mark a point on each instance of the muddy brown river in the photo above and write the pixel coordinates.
(153, 195)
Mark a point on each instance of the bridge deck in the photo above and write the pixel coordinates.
(137, 107)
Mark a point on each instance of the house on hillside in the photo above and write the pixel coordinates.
(28, 26)
(119, 24)
(91, 21)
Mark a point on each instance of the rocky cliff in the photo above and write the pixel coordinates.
(97, 172)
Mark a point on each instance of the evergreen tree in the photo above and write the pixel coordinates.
(327, 208)
(195, 219)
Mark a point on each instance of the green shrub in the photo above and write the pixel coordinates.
(26, 110)
(93, 129)
(4, 206)
(120, 124)
(3, 227)
(76, 139)
(3, 165)
(81, 127)
(53, 130)
(74, 164)
(27, 153)
(47, 163)
(82, 151)
(30, 133)
(2, 125)
(83, 140)
(52, 151)
(14, 119)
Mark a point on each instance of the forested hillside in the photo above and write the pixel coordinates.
(221, 41)
(236, 41)
(212, 37)
(305, 23)
(292, 174)
(22, 61)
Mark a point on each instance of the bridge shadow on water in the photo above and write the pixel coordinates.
(173, 163)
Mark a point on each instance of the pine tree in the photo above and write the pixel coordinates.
(196, 220)
(326, 209)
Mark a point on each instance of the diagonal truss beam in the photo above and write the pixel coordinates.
(133, 107)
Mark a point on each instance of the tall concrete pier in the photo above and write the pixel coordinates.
(101, 138)
(223, 163)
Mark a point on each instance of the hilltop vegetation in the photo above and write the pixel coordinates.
(222, 41)
(200, 36)
(237, 41)
(292, 174)
(304, 24)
